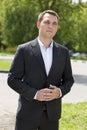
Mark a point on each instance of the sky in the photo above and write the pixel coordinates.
(77, 1)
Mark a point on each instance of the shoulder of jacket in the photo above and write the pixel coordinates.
(27, 44)
(60, 46)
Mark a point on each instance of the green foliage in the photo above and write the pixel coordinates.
(67, 28)
(82, 31)
(18, 22)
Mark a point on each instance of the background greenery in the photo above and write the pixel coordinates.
(18, 22)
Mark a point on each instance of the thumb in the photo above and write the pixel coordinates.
(52, 86)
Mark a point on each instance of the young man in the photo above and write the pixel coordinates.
(41, 74)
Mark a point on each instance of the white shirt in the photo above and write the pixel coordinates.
(47, 54)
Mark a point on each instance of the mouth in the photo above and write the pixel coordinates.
(49, 31)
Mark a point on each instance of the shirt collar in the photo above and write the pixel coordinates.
(42, 45)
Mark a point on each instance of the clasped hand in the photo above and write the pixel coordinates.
(48, 94)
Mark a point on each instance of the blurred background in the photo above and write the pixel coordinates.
(18, 23)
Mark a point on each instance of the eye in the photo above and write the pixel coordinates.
(47, 22)
(55, 23)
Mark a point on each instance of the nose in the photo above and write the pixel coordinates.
(50, 25)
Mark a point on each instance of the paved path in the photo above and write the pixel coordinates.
(78, 92)
(6, 57)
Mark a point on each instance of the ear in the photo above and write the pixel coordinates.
(38, 24)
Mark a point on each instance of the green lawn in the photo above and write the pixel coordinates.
(74, 117)
(5, 65)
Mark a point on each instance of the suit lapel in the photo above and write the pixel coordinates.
(55, 58)
(37, 53)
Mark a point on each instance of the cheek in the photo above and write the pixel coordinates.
(56, 29)
(43, 28)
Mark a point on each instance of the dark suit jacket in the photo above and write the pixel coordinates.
(27, 75)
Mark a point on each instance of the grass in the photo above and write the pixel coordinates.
(5, 65)
(74, 117)
(7, 53)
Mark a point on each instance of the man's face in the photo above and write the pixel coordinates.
(48, 26)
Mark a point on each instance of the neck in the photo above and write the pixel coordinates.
(45, 41)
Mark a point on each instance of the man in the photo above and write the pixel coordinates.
(41, 74)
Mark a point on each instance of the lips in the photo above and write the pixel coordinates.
(49, 31)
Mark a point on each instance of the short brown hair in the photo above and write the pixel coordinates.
(40, 17)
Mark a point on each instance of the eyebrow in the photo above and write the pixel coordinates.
(47, 20)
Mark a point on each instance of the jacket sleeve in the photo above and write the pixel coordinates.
(67, 78)
(16, 75)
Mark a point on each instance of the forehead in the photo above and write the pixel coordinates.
(51, 17)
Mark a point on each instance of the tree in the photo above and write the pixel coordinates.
(16, 21)
(82, 31)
